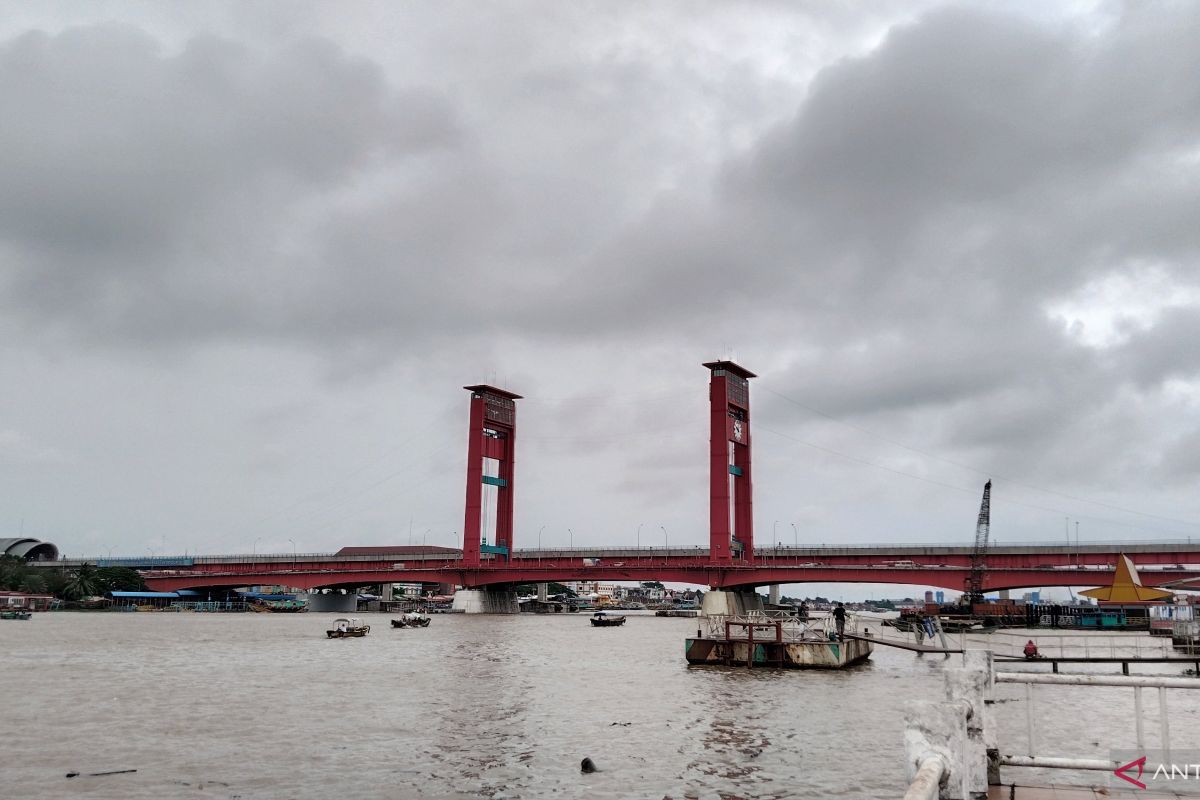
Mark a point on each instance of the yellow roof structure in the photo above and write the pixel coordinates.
(1127, 587)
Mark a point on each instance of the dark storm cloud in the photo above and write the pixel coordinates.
(971, 168)
(904, 240)
(149, 195)
(907, 233)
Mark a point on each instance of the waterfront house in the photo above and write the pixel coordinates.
(23, 601)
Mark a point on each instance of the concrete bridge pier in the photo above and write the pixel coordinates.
(773, 594)
(723, 602)
(331, 603)
(486, 601)
(543, 594)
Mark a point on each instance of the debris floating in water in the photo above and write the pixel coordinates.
(98, 774)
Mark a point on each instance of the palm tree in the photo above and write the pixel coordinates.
(81, 582)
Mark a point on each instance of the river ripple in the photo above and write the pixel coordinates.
(264, 706)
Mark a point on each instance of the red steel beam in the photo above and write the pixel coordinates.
(681, 571)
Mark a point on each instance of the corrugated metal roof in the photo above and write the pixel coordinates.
(174, 595)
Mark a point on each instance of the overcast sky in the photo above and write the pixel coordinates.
(250, 253)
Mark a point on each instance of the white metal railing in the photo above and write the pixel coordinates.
(951, 749)
(793, 629)
(1082, 645)
(1012, 645)
(926, 783)
(1136, 682)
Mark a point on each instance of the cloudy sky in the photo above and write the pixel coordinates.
(250, 253)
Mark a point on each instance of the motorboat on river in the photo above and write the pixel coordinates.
(412, 619)
(602, 620)
(15, 614)
(346, 627)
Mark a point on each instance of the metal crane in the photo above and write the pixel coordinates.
(974, 583)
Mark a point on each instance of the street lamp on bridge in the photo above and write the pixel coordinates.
(665, 545)
(796, 534)
(293, 541)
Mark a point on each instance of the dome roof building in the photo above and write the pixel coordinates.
(29, 549)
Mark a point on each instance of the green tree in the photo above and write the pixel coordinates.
(82, 582)
(33, 583)
(120, 579)
(12, 572)
(56, 580)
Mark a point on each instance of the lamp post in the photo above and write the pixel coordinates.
(540, 542)
(796, 535)
(571, 539)
(639, 536)
(665, 545)
(254, 547)
(293, 541)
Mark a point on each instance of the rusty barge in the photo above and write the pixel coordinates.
(782, 642)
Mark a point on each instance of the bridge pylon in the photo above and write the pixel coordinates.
(731, 504)
(492, 437)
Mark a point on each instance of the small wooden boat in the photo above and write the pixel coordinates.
(602, 620)
(346, 627)
(411, 620)
(15, 614)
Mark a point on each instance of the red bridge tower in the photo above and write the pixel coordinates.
(493, 436)
(731, 513)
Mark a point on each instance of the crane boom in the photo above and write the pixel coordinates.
(974, 587)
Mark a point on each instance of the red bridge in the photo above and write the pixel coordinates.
(730, 561)
(1009, 567)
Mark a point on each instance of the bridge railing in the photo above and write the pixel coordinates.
(764, 552)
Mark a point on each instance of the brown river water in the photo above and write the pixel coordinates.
(264, 706)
